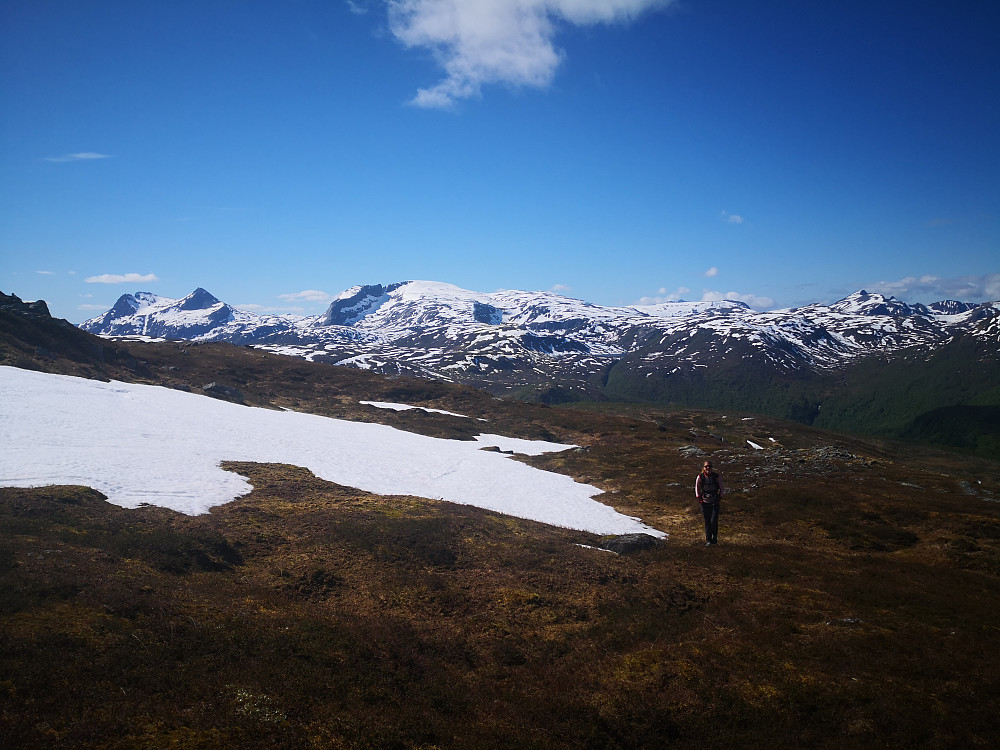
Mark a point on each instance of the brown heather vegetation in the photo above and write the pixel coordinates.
(852, 602)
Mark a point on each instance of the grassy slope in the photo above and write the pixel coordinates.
(912, 396)
(851, 604)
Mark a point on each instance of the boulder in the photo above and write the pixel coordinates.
(625, 543)
(224, 392)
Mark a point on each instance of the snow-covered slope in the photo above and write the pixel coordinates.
(508, 339)
(147, 444)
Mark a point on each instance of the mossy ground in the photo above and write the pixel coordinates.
(851, 603)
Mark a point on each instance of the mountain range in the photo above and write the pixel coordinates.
(866, 363)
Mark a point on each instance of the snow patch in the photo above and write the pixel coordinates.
(147, 444)
(407, 407)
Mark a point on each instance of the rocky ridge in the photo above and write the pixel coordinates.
(512, 339)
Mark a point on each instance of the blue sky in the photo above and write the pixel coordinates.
(780, 152)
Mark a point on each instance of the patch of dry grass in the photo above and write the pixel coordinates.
(851, 603)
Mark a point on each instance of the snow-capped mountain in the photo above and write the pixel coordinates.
(511, 339)
(198, 317)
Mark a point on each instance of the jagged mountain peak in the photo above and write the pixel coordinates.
(148, 314)
(511, 339)
(130, 304)
(127, 304)
(864, 303)
(199, 299)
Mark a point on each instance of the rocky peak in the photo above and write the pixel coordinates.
(952, 307)
(864, 303)
(13, 303)
(199, 299)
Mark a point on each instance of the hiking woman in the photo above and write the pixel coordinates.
(708, 489)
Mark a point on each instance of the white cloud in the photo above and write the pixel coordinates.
(263, 309)
(934, 288)
(561, 288)
(309, 295)
(46, 273)
(732, 218)
(712, 272)
(480, 42)
(90, 307)
(82, 156)
(662, 295)
(755, 301)
(124, 278)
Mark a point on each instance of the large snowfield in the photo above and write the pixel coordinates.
(147, 444)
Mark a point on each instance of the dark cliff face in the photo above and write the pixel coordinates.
(13, 304)
(952, 307)
(347, 311)
(487, 314)
(126, 305)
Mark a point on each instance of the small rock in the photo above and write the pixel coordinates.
(625, 543)
(224, 392)
(691, 450)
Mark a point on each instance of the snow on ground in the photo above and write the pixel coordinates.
(146, 444)
(406, 407)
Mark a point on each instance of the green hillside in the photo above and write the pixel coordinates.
(974, 429)
(877, 397)
(742, 380)
(922, 398)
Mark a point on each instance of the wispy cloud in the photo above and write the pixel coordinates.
(309, 295)
(121, 278)
(731, 218)
(479, 42)
(934, 288)
(46, 273)
(755, 301)
(82, 156)
(357, 7)
(88, 307)
(263, 309)
(559, 288)
(712, 272)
